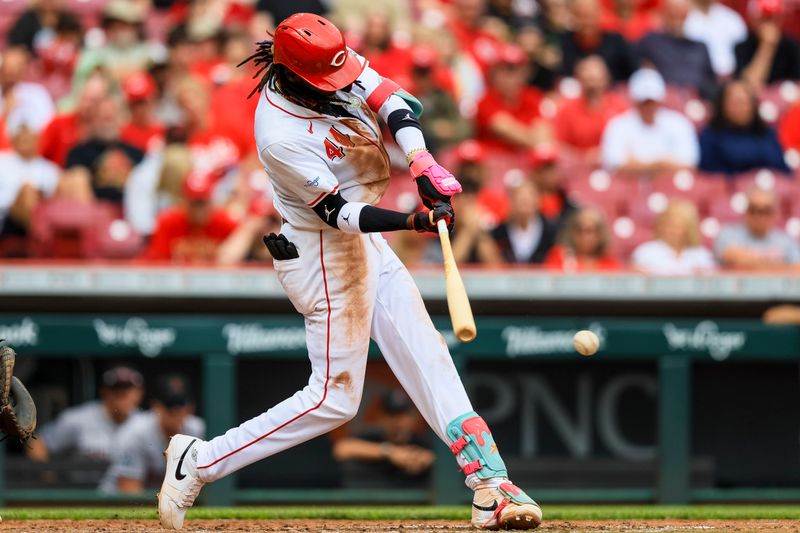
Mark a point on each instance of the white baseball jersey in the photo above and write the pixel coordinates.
(308, 155)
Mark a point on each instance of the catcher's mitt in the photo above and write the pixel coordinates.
(17, 410)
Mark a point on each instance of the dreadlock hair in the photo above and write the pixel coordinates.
(280, 79)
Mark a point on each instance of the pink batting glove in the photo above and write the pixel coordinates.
(445, 183)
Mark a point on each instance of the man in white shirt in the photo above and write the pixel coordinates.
(720, 28)
(20, 98)
(24, 177)
(649, 139)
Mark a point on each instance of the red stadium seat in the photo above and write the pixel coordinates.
(727, 209)
(688, 185)
(626, 235)
(601, 189)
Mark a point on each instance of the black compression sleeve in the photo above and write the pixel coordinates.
(402, 118)
(375, 219)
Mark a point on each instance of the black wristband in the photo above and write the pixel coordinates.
(402, 118)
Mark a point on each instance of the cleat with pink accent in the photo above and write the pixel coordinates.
(499, 504)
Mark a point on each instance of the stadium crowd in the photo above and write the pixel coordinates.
(660, 135)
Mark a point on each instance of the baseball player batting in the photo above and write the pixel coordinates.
(319, 138)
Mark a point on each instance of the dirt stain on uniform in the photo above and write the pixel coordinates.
(351, 270)
(369, 159)
(343, 380)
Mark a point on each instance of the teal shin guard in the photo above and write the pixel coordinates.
(471, 438)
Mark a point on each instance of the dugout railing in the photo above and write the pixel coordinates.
(674, 345)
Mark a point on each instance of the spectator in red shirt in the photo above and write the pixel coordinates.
(68, 129)
(467, 26)
(554, 203)
(384, 54)
(631, 18)
(584, 245)
(789, 130)
(508, 114)
(142, 130)
(580, 122)
(588, 38)
(194, 231)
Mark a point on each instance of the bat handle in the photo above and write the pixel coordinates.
(442, 225)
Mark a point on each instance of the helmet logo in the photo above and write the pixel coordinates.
(338, 59)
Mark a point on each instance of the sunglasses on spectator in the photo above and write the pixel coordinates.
(760, 210)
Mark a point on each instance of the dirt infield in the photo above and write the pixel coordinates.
(409, 526)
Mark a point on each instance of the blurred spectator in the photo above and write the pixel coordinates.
(554, 203)
(156, 184)
(384, 55)
(789, 129)
(630, 18)
(472, 241)
(124, 51)
(649, 139)
(443, 125)
(720, 28)
(737, 138)
(88, 430)
(36, 27)
(193, 231)
(544, 58)
(767, 55)
(137, 460)
(25, 178)
(508, 115)
(757, 243)
(527, 236)
(395, 450)
(351, 14)
(580, 122)
(68, 129)
(680, 61)
(468, 25)
(588, 38)
(143, 130)
(280, 9)
(22, 101)
(583, 245)
(57, 59)
(213, 151)
(106, 158)
(677, 248)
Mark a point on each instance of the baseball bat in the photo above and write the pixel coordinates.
(457, 300)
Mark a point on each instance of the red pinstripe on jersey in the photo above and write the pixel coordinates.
(327, 370)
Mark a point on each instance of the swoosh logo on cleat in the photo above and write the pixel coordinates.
(178, 474)
(480, 508)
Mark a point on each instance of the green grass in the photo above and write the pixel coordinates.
(552, 512)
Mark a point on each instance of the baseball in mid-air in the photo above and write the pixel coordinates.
(586, 342)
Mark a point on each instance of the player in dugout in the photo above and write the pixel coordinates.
(318, 135)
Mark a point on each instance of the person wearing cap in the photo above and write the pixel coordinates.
(508, 116)
(767, 55)
(719, 27)
(588, 38)
(579, 122)
(142, 129)
(123, 52)
(680, 60)
(554, 203)
(648, 139)
(445, 125)
(321, 110)
(36, 26)
(88, 430)
(193, 231)
(390, 451)
(137, 461)
(25, 178)
(103, 156)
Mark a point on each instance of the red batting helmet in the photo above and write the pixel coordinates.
(314, 49)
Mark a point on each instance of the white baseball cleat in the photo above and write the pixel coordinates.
(181, 484)
(504, 506)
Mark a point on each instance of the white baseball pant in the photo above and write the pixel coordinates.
(349, 287)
